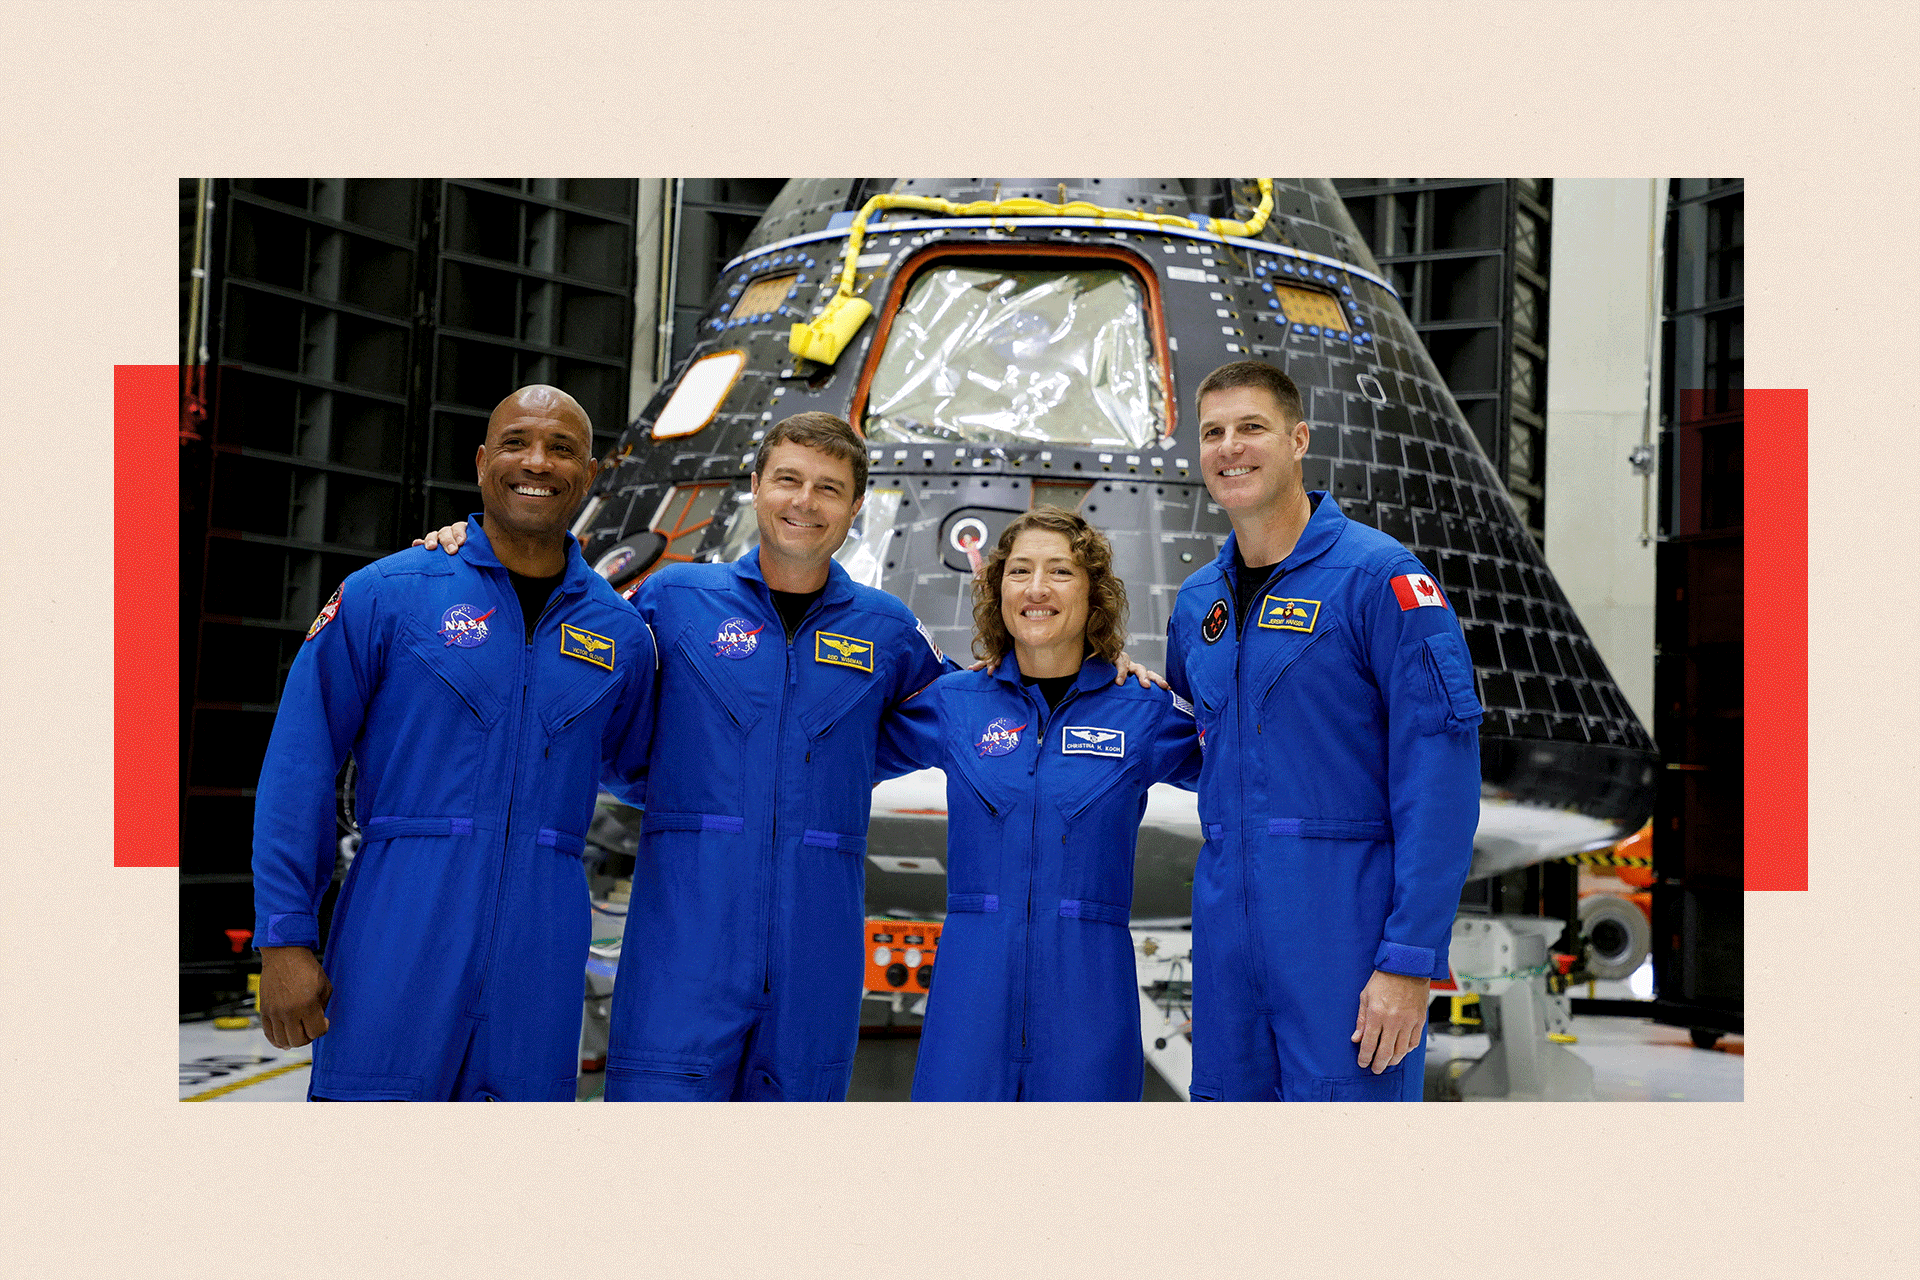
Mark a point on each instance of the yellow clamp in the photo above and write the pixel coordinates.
(827, 337)
(829, 334)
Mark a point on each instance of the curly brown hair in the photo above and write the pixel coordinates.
(1106, 593)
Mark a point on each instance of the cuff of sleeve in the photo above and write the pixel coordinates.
(1415, 962)
(288, 929)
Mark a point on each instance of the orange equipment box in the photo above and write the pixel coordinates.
(900, 954)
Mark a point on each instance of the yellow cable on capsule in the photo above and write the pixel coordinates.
(828, 335)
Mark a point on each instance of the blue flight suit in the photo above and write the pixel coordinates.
(744, 962)
(1339, 793)
(1035, 996)
(459, 941)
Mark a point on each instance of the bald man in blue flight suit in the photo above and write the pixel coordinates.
(481, 696)
(1340, 783)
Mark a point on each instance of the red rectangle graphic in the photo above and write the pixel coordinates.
(146, 635)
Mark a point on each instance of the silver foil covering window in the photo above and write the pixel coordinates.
(1010, 356)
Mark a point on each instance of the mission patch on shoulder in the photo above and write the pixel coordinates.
(327, 610)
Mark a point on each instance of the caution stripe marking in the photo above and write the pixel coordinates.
(207, 1094)
(1607, 860)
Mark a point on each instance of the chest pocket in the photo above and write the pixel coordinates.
(1084, 776)
(576, 698)
(462, 676)
(849, 700)
(1288, 657)
(722, 688)
(1211, 682)
(998, 795)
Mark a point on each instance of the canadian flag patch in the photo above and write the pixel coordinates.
(1416, 590)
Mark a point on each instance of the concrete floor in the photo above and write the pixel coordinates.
(1633, 1060)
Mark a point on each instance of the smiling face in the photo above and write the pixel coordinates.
(535, 466)
(1043, 601)
(805, 502)
(1249, 452)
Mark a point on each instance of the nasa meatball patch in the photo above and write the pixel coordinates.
(1214, 625)
(737, 638)
(1087, 740)
(464, 625)
(1001, 736)
(1417, 591)
(327, 610)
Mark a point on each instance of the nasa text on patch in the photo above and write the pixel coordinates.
(736, 638)
(842, 651)
(1000, 737)
(1087, 740)
(1417, 591)
(1288, 615)
(596, 649)
(465, 625)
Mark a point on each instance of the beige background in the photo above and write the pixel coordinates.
(107, 106)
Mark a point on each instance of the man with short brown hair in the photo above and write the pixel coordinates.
(1340, 777)
(743, 970)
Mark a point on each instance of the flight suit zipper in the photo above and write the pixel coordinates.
(513, 781)
(1249, 915)
(787, 687)
(1040, 741)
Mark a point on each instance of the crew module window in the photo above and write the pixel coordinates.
(1009, 355)
(764, 296)
(1309, 306)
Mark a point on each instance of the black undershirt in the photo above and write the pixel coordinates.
(1247, 583)
(792, 607)
(534, 594)
(1052, 688)
(1250, 581)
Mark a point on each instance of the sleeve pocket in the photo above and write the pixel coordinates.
(1454, 677)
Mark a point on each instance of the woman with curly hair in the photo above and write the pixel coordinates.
(1048, 764)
